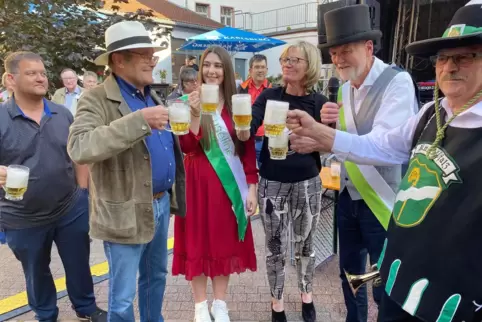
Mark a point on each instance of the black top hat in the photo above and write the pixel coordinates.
(465, 29)
(348, 24)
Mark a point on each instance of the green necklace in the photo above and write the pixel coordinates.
(432, 150)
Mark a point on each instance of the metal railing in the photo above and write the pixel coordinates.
(288, 18)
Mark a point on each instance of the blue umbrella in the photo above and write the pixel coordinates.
(233, 40)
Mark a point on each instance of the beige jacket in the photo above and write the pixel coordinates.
(59, 95)
(110, 138)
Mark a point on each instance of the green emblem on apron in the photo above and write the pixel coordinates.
(422, 185)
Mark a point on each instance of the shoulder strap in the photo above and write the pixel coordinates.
(366, 115)
(424, 123)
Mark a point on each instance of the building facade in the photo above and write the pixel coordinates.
(282, 19)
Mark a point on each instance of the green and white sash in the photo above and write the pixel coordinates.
(372, 187)
(229, 170)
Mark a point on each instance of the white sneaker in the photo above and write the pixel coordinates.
(201, 313)
(220, 311)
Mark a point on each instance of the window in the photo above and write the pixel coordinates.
(227, 16)
(202, 9)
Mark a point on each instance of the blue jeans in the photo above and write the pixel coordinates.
(360, 233)
(258, 145)
(150, 260)
(32, 247)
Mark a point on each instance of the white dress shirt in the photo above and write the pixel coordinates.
(394, 146)
(398, 94)
(398, 104)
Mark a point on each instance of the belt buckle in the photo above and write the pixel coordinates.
(158, 195)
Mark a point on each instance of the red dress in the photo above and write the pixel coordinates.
(206, 241)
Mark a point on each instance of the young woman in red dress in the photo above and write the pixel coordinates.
(208, 241)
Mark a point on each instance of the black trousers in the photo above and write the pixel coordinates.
(389, 311)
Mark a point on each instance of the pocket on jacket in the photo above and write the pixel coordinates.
(116, 219)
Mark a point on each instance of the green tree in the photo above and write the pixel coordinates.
(66, 33)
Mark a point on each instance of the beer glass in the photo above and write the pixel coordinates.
(242, 111)
(278, 146)
(179, 116)
(275, 118)
(209, 98)
(17, 182)
(335, 170)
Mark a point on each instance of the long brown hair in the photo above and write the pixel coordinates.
(228, 89)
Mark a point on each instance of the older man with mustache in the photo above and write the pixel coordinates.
(428, 262)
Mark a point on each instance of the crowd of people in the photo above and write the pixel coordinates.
(103, 163)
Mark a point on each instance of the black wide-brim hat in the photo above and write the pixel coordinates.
(464, 30)
(348, 24)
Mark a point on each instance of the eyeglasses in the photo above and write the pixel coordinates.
(190, 81)
(290, 60)
(458, 59)
(148, 59)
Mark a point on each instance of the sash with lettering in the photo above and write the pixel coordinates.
(374, 190)
(229, 170)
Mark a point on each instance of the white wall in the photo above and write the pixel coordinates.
(164, 61)
(273, 54)
(242, 5)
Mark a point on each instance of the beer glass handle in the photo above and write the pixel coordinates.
(168, 128)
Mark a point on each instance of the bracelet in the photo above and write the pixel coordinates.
(195, 115)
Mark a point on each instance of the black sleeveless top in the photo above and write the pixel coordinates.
(432, 263)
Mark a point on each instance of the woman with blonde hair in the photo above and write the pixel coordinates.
(214, 240)
(290, 189)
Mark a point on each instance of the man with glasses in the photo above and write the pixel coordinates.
(136, 171)
(70, 93)
(429, 262)
(254, 85)
(375, 98)
(188, 83)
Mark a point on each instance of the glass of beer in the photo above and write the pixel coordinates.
(335, 170)
(17, 182)
(242, 111)
(275, 118)
(209, 98)
(179, 116)
(278, 146)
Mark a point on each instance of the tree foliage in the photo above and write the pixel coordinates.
(66, 33)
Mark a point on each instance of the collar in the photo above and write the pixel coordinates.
(476, 109)
(377, 69)
(129, 88)
(250, 83)
(76, 90)
(15, 111)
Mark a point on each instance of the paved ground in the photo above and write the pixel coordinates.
(248, 297)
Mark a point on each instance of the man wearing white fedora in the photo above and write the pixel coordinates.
(429, 262)
(137, 172)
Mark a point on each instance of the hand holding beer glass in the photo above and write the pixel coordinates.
(275, 118)
(179, 116)
(16, 182)
(209, 98)
(242, 111)
(278, 146)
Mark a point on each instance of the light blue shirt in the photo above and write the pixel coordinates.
(70, 98)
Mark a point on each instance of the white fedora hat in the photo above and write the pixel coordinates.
(125, 35)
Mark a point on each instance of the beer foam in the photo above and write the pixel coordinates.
(179, 113)
(276, 112)
(210, 93)
(16, 178)
(241, 105)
